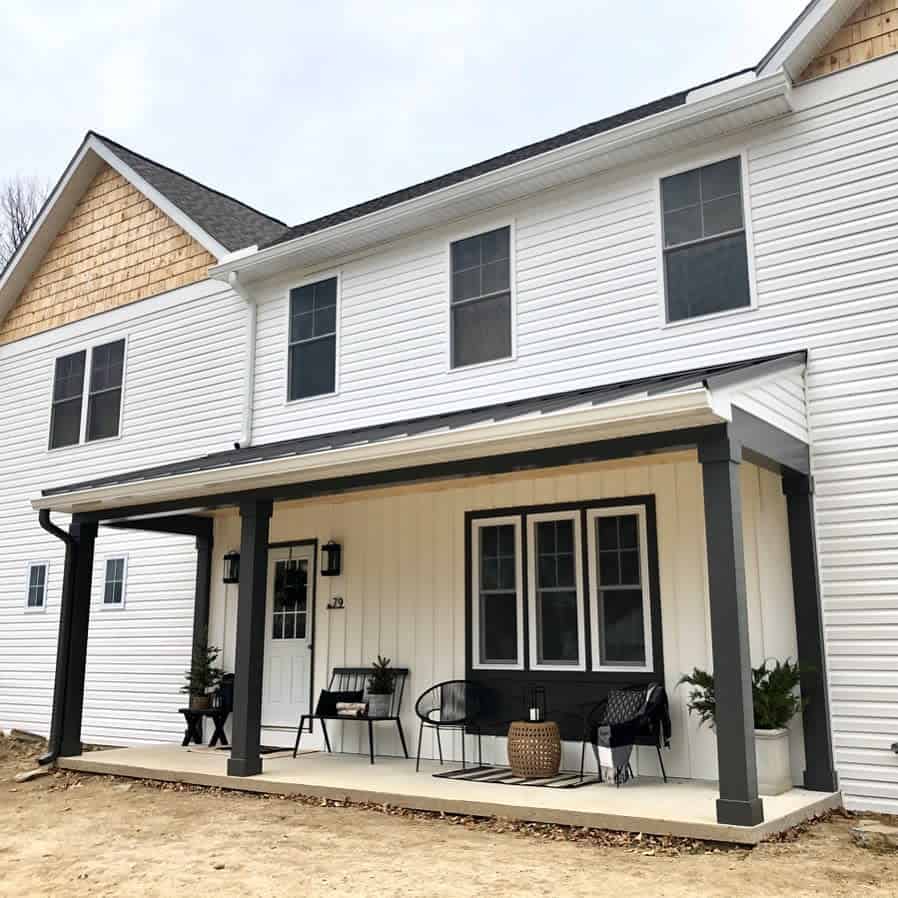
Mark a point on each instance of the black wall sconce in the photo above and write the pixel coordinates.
(231, 572)
(331, 558)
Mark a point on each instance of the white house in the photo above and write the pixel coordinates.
(596, 411)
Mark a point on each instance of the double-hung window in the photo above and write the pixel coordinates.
(565, 588)
(705, 253)
(555, 591)
(480, 325)
(497, 594)
(69, 424)
(36, 586)
(114, 580)
(312, 366)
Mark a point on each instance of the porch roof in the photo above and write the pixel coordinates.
(664, 402)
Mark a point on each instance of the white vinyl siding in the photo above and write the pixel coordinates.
(136, 659)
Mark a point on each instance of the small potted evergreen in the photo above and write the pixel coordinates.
(380, 688)
(203, 677)
(776, 701)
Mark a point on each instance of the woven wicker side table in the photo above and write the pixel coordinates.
(534, 749)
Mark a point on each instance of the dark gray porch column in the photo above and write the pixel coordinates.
(255, 519)
(739, 802)
(201, 592)
(820, 771)
(74, 620)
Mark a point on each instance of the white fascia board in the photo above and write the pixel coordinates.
(645, 414)
(810, 34)
(82, 169)
(712, 114)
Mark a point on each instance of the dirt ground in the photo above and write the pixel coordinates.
(78, 835)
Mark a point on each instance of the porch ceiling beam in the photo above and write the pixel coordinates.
(769, 447)
(188, 525)
(506, 463)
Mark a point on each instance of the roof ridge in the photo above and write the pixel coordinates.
(180, 174)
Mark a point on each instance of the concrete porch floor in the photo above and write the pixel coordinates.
(678, 808)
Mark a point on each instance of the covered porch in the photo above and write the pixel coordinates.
(683, 808)
(712, 465)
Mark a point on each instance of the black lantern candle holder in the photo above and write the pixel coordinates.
(535, 701)
(231, 573)
(331, 559)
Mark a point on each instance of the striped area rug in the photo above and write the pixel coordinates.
(504, 777)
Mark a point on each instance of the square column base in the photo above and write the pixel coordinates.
(244, 766)
(740, 813)
(821, 780)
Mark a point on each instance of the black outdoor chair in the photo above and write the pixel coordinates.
(453, 705)
(351, 684)
(633, 715)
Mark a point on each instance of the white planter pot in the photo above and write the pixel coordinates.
(774, 764)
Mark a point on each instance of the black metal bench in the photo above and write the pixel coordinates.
(355, 679)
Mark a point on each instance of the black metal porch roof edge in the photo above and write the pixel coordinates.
(552, 402)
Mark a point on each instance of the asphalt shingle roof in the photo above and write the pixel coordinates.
(232, 223)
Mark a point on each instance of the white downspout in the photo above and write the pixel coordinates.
(246, 427)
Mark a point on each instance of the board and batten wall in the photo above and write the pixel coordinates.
(822, 185)
(182, 390)
(403, 585)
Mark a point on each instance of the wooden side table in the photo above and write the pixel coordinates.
(534, 749)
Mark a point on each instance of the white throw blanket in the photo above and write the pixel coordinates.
(351, 709)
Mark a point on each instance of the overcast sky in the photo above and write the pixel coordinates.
(301, 108)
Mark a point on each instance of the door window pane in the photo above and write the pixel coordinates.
(481, 298)
(290, 605)
(498, 594)
(557, 608)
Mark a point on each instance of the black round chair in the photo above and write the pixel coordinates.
(453, 705)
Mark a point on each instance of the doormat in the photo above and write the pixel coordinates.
(263, 749)
(504, 777)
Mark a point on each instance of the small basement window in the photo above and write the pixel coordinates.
(114, 582)
(480, 327)
(312, 348)
(36, 586)
(705, 253)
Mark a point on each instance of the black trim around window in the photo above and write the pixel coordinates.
(567, 692)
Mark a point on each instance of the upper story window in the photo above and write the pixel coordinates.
(481, 298)
(68, 423)
(705, 255)
(36, 586)
(313, 340)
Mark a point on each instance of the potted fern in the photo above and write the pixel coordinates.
(380, 688)
(776, 701)
(202, 677)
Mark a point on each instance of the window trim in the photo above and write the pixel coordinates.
(88, 349)
(304, 282)
(37, 609)
(532, 520)
(592, 515)
(475, 231)
(742, 154)
(114, 606)
(474, 536)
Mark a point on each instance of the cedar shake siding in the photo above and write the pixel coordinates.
(116, 248)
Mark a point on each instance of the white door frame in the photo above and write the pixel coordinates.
(303, 548)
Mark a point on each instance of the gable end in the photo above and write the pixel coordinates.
(116, 248)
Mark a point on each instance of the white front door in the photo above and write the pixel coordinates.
(288, 636)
